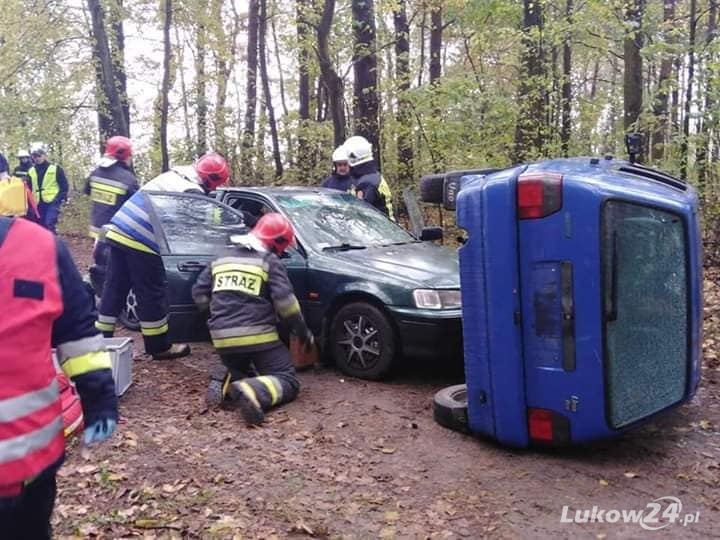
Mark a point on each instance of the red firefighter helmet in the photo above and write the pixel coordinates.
(118, 147)
(275, 231)
(213, 170)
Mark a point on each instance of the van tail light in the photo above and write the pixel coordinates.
(548, 428)
(539, 194)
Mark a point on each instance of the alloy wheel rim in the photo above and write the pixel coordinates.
(361, 342)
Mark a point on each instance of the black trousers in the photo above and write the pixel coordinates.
(27, 517)
(273, 379)
(143, 272)
(98, 270)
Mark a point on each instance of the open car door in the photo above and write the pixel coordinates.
(196, 229)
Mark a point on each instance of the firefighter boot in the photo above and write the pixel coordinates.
(244, 395)
(217, 390)
(176, 350)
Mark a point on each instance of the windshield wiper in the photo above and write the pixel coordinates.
(345, 246)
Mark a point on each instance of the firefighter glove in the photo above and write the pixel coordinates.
(308, 339)
(100, 430)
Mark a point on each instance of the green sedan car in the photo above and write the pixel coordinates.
(369, 289)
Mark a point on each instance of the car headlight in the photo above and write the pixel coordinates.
(437, 298)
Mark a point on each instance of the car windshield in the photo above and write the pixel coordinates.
(340, 220)
(195, 224)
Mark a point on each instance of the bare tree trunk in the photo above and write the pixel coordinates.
(531, 94)
(118, 49)
(224, 51)
(709, 114)
(402, 74)
(421, 60)
(436, 41)
(688, 90)
(111, 112)
(165, 90)
(262, 56)
(366, 102)
(662, 98)
(304, 162)
(183, 88)
(633, 74)
(248, 140)
(200, 88)
(565, 124)
(331, 80)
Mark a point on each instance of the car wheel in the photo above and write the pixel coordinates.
(362, 341)
(128, 316)
(431, 188)
(450, 408)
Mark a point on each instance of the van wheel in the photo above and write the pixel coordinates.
(450, 408)
(362, 341)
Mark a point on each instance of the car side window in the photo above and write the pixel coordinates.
(194, 224)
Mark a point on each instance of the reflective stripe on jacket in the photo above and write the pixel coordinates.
(109, 188)
(31, 425)
(50, 187)
(376, 191)
(132, 225)
(245, 289)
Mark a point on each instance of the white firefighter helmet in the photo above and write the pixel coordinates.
(38, 148)
(359, 150)
(340, 154)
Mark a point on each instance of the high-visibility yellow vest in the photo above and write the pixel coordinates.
(50, 188)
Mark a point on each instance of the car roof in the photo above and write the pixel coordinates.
(280, 190)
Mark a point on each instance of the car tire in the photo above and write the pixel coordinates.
(362, 341)
(128, 316)
(431, 188)
(450, 408)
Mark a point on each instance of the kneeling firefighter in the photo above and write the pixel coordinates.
(134, 259)
(244, 290)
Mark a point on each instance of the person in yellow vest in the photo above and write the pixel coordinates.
(49, 186)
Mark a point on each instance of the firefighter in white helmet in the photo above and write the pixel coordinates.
(340, 178)
(369, 182)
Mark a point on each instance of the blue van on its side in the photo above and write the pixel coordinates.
(581, 283)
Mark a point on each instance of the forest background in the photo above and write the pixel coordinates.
(434, 85)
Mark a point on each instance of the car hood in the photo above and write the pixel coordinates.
(423, 264)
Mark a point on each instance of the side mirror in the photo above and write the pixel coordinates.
(431, 233)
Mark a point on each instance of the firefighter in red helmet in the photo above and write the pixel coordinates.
(134, 259)
(109, 186)
(245, 290)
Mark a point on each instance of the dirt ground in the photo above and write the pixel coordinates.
(358, 459)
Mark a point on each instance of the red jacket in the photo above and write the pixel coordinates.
(31, 423)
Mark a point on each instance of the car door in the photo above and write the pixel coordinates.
(196, 230)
